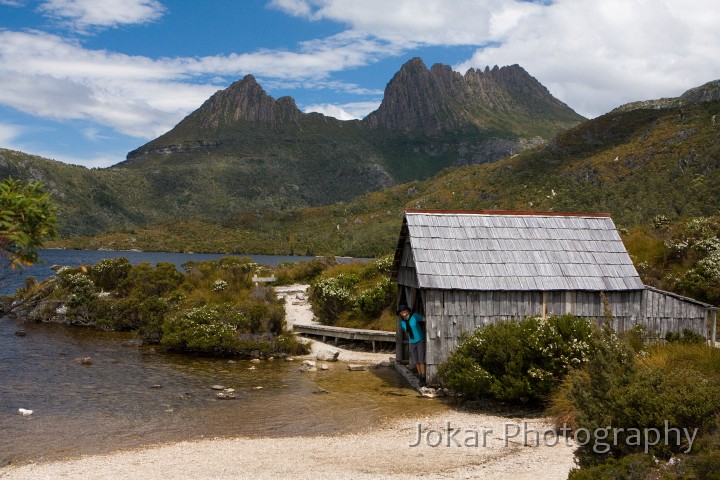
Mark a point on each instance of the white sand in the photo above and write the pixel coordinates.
(384, 452)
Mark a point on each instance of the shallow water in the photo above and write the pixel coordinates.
(133, 396)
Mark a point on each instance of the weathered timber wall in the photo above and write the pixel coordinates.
(448, 313)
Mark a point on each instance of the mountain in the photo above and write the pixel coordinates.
(640, 162)
(244, 151)
(441, 100)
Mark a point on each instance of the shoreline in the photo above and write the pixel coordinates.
(383, 452)
(447, 445)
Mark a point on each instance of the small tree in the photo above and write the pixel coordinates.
(27, 219)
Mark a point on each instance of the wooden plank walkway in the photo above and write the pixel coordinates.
(326, 331)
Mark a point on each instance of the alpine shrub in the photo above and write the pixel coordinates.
(518, 361)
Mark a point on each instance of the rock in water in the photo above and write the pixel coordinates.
(327, 356)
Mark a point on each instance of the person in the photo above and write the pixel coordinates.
(412, 326)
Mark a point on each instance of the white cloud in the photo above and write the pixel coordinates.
(49, 76)
(596, 56)
(82, 14)
(8, 133)
(347, 111)
(592, 55)
(410, 23)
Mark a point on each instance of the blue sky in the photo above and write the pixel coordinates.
(87, 81)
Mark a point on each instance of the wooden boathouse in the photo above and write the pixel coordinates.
(463, 270)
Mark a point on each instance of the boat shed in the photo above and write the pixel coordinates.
(463, 270)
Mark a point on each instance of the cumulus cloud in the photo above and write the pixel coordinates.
(83, 14)
(598, 55)
(411, 23)
(48, 76)
(592, 55)
(51, 76)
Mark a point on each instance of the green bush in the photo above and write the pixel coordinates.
(303, 271)
(205, 329)
(331, 297)
(377, 298)
(669, 386)
(110, 272)
(144, 281)
(518, 361)
(632, 467)
(356, 295)
(687, 337)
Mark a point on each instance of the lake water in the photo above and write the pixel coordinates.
(131, 396)
(74, 258)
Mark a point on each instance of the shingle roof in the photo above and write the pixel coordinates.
(516, 251)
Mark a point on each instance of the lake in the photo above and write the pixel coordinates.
(130, 396)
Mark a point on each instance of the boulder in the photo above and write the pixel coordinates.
(308, 366)
(356, 368)
(328, 355)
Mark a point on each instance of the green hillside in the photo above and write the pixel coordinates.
(636, 165)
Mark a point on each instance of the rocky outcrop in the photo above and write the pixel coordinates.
(440, 99)
(244, 100)
(709, 92)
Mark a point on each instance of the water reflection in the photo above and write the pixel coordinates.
(127, 396)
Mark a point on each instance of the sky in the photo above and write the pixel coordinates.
(86, 81)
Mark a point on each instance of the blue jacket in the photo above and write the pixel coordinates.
(415, 334)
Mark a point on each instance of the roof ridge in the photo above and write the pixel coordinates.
(507, 212)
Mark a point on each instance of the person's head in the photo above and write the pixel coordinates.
(403, 311)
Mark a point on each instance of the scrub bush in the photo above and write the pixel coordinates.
(356, 295)
(518, 362)
(672, 386)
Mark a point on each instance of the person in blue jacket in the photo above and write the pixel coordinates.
(412, 326)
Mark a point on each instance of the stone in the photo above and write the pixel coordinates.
(255, 360)
(324, 366)
(428, 392)
(356, 368)
(308, 366)
(225, 396)
(217, 387)
(328, 356)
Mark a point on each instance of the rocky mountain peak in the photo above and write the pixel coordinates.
(441, 99)
(244, 100)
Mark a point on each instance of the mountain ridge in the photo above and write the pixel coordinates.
(639, 164)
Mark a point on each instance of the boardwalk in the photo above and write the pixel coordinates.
(327, 331)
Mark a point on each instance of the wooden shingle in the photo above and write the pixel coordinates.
(518, 251)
